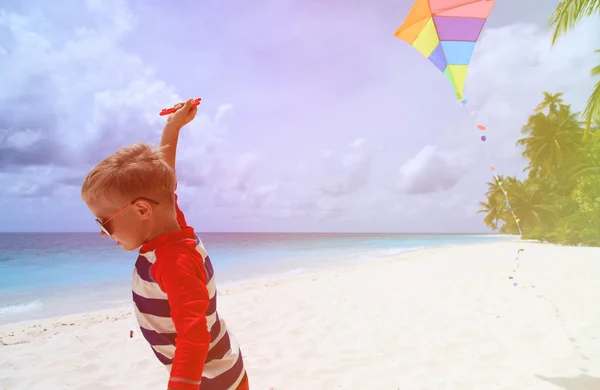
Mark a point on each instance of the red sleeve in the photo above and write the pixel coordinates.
(180, 217)
(177, 273)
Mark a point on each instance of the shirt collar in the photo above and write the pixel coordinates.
(185, 233)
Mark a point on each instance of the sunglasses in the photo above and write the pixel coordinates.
(102, 225)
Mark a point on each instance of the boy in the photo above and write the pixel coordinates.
(132, 195)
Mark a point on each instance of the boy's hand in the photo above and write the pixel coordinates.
(184, 115)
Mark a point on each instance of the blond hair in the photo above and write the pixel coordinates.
(135, 171)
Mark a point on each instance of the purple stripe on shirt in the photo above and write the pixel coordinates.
(209, 268)
(215, 329)
(212, 307)
(162, 358)
(142, 267)
(219, 350)
(155, 307)
(156, 338)
(226, 379)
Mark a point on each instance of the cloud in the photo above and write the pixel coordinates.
(73, 120)
(235, 184)
(345, 172)
(290, 134)
(31, 182)
(513, 65)
(222, 114)
(432, 170)
(71, 104)
(204, 156)
(262, 194)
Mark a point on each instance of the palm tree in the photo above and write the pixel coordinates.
(529, 204)
(496, 208)
(563, 232)
(559, 199)
(493, 209)
(551, 101)
(493, 186)
(551, 140)
(584, 168)
(567, 15)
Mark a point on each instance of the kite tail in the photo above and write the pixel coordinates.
(483, 138)
(576, 345)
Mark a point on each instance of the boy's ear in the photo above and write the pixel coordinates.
(143, 209)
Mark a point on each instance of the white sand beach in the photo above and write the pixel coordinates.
(436, 319)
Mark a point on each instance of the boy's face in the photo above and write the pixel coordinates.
(128, 224)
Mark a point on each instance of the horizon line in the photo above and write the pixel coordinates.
(266, 232)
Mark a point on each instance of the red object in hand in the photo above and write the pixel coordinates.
(167, 111)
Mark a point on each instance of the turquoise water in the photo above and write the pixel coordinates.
(49, 274)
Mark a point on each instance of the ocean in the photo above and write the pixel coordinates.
(51, 274)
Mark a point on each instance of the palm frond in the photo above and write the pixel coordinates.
(592, 108)
(591, 114)
(596, 69)
(569, 13)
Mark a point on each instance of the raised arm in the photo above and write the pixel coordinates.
(170, 135)
(170, 138)
(168, 143)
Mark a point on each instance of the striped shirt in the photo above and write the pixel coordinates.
(175, 303)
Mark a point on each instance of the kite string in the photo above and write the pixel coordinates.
(499, 183)
(573, 341)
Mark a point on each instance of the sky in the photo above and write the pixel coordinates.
(313, 116)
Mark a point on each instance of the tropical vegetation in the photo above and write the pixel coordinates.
(559, 200)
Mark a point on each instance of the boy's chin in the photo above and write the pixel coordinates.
(126, 247)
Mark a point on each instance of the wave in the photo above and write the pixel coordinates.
(20, 308)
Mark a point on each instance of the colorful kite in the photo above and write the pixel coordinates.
(445, 31)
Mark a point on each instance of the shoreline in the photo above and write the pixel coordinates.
(241, 286)
(57, 299)
(436, 318)
(226, 289)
